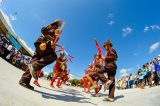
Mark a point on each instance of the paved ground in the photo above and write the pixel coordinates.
(11, 94)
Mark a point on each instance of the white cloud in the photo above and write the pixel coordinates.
(130, 69)
(151, 27)
(13, 17)
(126, 31)
(24, 43)
(124, 71)
(155, 27)
(158, 27)
(154, 47)
(135, 54)
(74, 76)
(111, 22)
(1, 2)
(110, 15)
(39, 18)
(146, 29)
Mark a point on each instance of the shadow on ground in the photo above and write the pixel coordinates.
(119, 97)
(68, 91)
(67, 96)
(116, 98)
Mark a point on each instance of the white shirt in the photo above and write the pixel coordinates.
(131, 77)
(9, 47)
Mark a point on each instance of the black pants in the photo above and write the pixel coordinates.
(111, 71)
(6, 52)
(37, 63)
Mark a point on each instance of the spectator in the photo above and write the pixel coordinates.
(136, 80)
(15, 58)
(140, 75)
(130, 81)
(1, 46)
(144, 72)
(149, 74)
(158, 63)
(127, 82)
(5, 45)
(157, 69)
(9, 51)
(18, 60)
(28, 60)
(158, 58)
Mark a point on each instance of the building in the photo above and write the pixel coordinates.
(7, 30)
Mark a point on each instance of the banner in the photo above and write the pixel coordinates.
(13, 41)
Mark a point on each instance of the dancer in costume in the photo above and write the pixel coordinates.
(98, 64)
(63, 73)
(60, 62)
(45, 53)
(87, 84)
(64, 76)
(109, 68)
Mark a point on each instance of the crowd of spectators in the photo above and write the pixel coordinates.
(148, 75)
(11, 54)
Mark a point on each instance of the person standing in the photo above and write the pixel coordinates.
(158, 63)
(144, 71)
(149, 69)
(141, 81)
(110, 68)
(130, 81)
(157, 70)
(127, 82)
(61, 60)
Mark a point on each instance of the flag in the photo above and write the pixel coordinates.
(69, 56)
(99, 48)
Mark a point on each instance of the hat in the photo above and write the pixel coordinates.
(108, 42)
(56, 22)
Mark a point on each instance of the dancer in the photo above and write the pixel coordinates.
(87, 83)
(98, 65)
(45, 53)
(63, 73)
(64, 77)
(109, 68)
(59, 62)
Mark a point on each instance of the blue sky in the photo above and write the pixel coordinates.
(132, 25)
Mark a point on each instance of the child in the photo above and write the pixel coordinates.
(141, 76)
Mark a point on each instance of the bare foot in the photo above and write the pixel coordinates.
(108, 99)
(52, 86)
(36, 83)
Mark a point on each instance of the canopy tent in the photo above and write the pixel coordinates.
(6, 27)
